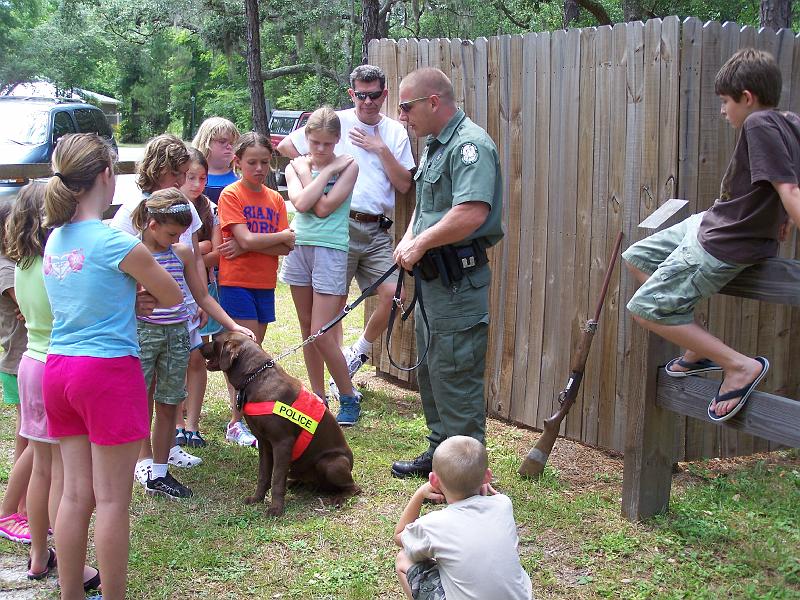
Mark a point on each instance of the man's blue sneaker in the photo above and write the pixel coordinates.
(349, 409)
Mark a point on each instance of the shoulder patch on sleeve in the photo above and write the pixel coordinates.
(469, 153)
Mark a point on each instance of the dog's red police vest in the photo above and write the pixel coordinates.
(306, 412)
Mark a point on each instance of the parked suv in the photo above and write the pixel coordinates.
(284, 122)
(281, 124)
(30, 128)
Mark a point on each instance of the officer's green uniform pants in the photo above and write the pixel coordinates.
(451, 377)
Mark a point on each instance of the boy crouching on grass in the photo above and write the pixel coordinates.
(468, 550)
(693, 260)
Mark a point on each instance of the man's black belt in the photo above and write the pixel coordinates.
(364, 217)
(449, 263)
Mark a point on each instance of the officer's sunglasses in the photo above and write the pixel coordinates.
(370, 95)
(408, 104)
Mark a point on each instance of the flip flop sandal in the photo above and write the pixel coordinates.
(694, 368)
(180, 458)
(51, 563)
(742, 393)
(92, 583)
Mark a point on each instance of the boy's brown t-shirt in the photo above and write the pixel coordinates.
(742, 226)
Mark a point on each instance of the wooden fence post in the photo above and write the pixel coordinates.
(650, 429)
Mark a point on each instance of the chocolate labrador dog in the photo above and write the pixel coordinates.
(325, 463)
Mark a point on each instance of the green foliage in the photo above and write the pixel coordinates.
(156, 55)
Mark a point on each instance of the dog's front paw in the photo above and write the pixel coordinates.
(254, 500)
(275, 510)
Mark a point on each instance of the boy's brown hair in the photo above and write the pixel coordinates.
(163, 153)
(753, 70)
(460, 462)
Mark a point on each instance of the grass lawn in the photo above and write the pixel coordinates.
(733, 530)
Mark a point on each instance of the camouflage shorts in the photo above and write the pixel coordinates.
(425, 582)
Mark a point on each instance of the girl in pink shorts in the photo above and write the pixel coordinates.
(94, 392)
(25, 240)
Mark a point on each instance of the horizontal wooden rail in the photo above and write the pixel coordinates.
(766, 416)
(776, 280)
(34, 170)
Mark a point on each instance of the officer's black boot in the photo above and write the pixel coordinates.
(421, 466)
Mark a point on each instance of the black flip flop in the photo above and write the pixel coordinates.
(694, 368)
(743, 393)
(51, 563)
(93, 583)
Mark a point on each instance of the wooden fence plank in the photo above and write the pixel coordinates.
(541, 173)
(601, 367)
(527, 220)
(494, 129)
(632, 189)
(456, 72)
(482, 82)
(726, 312)
(467, 59)
(793, 102)
(511, 162)
(765, 415)
(699, 437)
(583, 214)
(38, 170)
(514, 178)
(617, 157)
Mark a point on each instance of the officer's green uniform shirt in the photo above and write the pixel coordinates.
(459, 165)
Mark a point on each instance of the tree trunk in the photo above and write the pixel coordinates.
(370, 25)
(776, 13)
(255, 81)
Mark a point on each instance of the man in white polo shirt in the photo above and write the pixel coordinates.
(382, 150)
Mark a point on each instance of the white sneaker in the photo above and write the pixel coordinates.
(142, 471)
(180, 458)
(238, 433)
(354, 360)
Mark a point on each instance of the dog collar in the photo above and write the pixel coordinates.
(306, 412)
(241, 397)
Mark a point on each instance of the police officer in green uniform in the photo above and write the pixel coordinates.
(458, 215)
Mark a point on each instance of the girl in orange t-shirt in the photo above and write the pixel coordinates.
(255, 231)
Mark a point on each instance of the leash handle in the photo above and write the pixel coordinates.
(396, 302)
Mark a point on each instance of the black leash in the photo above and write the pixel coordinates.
(396, 302)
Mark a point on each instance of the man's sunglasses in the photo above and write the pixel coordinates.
(408, 104)
(370, 95)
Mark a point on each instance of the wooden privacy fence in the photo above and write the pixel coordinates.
(596, 128)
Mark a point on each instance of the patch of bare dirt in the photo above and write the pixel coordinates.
(15, 585)
(581, 468)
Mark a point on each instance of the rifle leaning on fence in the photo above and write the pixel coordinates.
(534, 462)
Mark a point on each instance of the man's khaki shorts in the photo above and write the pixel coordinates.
(371, 254)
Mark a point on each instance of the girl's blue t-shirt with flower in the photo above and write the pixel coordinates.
(93, 301)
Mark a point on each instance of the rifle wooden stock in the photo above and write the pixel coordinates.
(534, 462)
